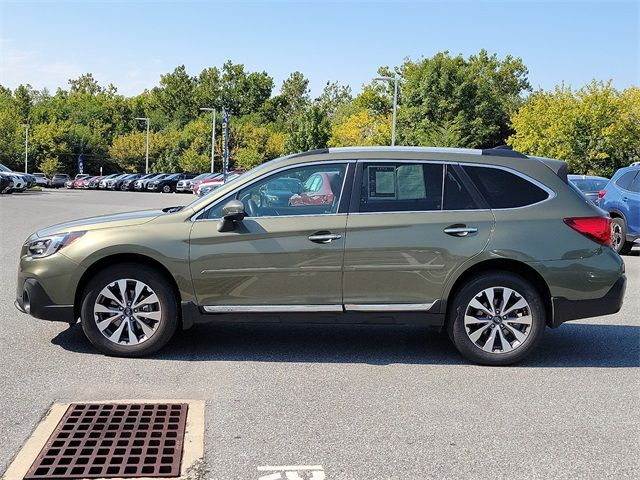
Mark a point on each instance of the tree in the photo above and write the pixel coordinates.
(50, 166)
(333, 97)
(363, 129)
(311, 130)
(294, 95)
(478, 94)
(596, 129)
(176, 96)
(85, 84)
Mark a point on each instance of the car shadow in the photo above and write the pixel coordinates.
(572, 345)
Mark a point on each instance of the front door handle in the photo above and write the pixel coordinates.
(324, 237)
(460, 230)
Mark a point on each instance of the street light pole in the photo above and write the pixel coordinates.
(26, 147)
(213, 132)
(146, 164)
(395, 103)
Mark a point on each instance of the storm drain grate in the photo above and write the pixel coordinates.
(114, 440)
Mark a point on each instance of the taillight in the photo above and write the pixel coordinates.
(597, 229)
(601, 194)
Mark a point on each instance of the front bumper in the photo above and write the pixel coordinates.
(565, 310)
(35, 302)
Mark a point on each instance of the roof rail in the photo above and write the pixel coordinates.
(310, 152)
(503, 151)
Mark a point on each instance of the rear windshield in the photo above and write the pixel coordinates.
(590, 184)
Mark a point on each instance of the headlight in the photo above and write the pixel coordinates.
(43, 247)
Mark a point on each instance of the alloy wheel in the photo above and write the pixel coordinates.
(127, 312)
(498, 320)
(616, 235)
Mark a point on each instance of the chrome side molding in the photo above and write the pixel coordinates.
(352, 307)
(390, 307)
(270, 308)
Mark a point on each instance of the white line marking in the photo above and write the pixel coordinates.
(290, 467)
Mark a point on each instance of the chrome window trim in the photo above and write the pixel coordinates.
(388, 307)
(194, 217)
(270, 308)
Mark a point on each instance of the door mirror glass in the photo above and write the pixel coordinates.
(232, 212)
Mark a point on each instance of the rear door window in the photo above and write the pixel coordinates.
(400, 187)
(503, 189)
(456, 194)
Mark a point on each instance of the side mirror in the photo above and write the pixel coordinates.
(232, 212)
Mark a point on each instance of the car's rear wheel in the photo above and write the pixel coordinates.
(619, 236)
(129, 310)
(496, 319)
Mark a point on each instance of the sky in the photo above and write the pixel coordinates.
(130, 44)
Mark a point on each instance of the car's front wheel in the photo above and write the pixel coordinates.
(129, 310)
(496, 319)
(166, 189)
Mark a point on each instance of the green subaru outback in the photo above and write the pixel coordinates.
(490, 244)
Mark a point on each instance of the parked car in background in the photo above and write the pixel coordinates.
(112, 183)
(195, 182)
(6, 183)
(59, 180)
(317, 190)
(29, 179)
(42, 180)
(129, 183)
(168, 184)
(279, 192)
(74, 183)
(84, 182)
(414, 235)
(102, 184)
(621, 198)
(589, 185)
(26, 180)
(93, 182)
(141, 185)
(18, 183)
(185, 185)
(209, 185)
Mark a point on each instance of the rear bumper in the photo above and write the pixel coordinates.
(565, 310)
(35, 302)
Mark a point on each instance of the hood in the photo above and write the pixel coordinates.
(106, 221)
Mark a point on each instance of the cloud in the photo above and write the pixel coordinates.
(18, 66)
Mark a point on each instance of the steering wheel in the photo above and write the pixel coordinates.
(252, 208)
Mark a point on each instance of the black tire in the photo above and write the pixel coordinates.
(166, 189)
(163, 289)
(623, 247)
(457, 310)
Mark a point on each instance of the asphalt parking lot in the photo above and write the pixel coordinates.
(362, 402)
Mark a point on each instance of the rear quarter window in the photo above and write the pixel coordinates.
(626, 180)
(503, 189)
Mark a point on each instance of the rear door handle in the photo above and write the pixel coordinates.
(460, 230)
(322, 237)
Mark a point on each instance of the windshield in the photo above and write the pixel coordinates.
(3, 168)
